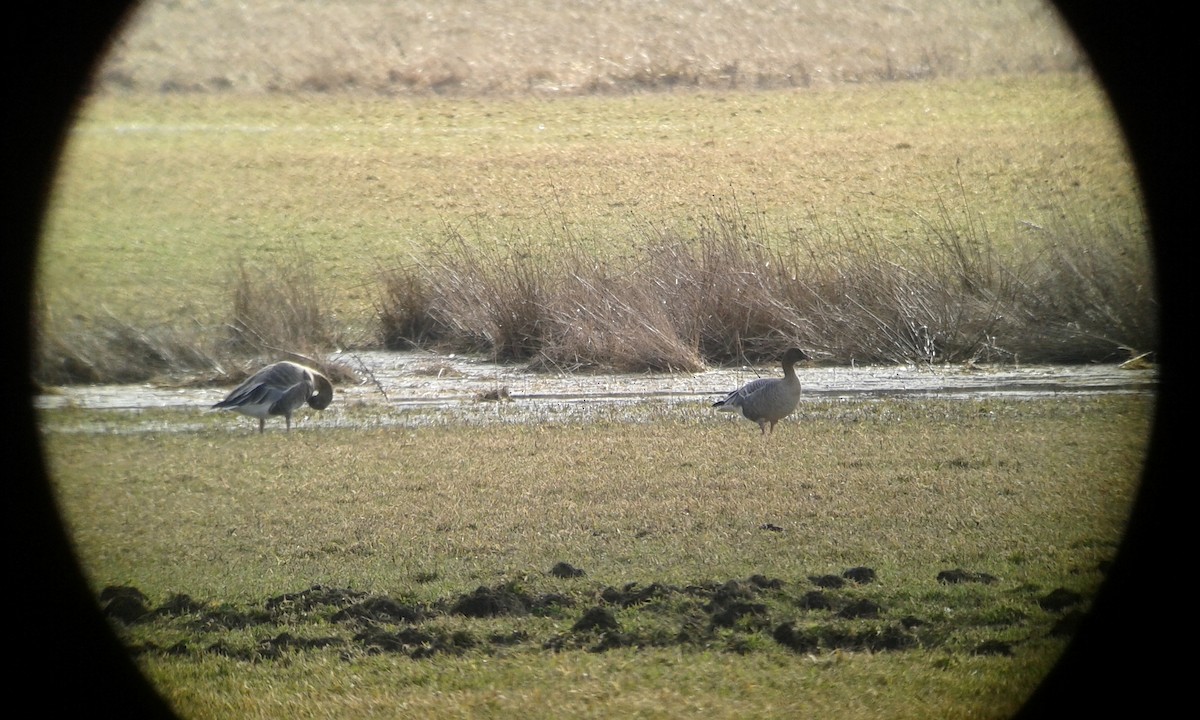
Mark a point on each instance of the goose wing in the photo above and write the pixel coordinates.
(288, 399)
(737, 398)
(265, 386)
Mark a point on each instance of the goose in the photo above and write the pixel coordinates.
(767, 400)
(278, 389)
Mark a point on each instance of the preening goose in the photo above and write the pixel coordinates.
(278, 389)
(767, 400)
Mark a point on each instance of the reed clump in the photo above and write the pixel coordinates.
(280, 305)
(732, 290)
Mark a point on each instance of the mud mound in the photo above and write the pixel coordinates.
(958, 575)
(566, 570)
(505, 600)
(416, 643)
(631, 594)
(849, 612)
(815, 600)
(125, 604)
(381, 609)
(833, 582)
(860, 575)
(596, 618)
(1060, 599)
(314, 597)
(490, 602)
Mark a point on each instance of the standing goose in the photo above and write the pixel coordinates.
(767, 400)
(278, 389)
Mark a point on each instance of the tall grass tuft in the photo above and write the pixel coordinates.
(612, 317)
(725, 284)
(404, 311)
(1084, 294)
(280, 306)
(568, 312)
(488, 298)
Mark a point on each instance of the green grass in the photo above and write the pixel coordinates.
(961, 482)
(618, 684)
(1033, 492)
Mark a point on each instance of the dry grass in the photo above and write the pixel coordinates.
(570, 312)
(281, 306)
(111, 350)
(734, 291)
(516, 47)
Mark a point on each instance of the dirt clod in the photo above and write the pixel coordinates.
(993, 647)
(832, 582)
(731, 614)
(380, 609)
(125, 604)
(860, 609)
(566, 570)
(786, 634)
(860, 575)
(958, 575)
(597, 618)
(1059, 599)
(490, 602)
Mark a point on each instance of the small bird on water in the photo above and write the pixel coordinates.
(767, 400)
(279, 389)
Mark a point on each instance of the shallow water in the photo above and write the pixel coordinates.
(418, 388)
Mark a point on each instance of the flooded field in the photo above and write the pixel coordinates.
(417, 388)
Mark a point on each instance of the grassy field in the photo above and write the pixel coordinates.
(660, 516)
(887, 180)
(212, 158)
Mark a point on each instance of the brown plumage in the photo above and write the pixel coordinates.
(766, 401)
(279, 389)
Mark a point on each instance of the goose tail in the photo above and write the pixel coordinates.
(729, 403)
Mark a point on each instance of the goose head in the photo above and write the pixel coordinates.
(793, 356)
(324, 394)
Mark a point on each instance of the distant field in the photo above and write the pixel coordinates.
(515, 47)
